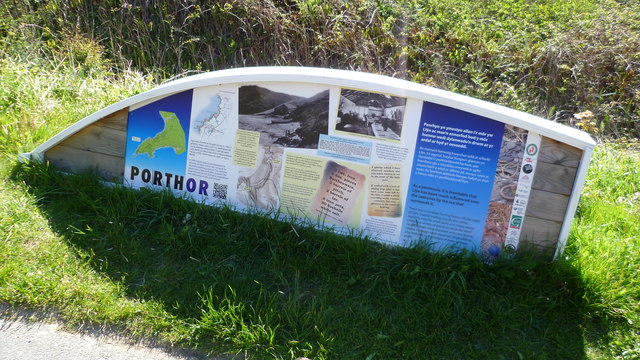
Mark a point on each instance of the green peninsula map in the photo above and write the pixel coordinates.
(172, 136)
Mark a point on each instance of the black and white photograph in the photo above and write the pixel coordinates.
(371, 114)
(285, 115)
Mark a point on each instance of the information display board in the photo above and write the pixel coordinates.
(399, 166)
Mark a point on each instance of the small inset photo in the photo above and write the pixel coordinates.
(371, 114)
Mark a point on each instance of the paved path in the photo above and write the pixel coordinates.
(23, 339)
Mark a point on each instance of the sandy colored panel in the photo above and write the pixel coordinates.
(76, 160)
(547, 206)
(554, 178)
(116, 121)
(555, 152)
(385, 190)
(337, 196)
(98, 139)
(539, 234)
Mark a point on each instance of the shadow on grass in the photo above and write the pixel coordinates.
(284, 288)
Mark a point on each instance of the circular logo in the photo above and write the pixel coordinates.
(532, 149)
(527, 168)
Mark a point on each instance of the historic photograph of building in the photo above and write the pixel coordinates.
(371, 114)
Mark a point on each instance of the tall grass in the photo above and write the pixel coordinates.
(551, 58)
(604, 248)
(45, 90)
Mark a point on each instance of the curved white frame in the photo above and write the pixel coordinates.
(366, 82)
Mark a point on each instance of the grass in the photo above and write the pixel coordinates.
(212, 279)
(275, 288)
(605, 248)
(40, 98)
(607, 232)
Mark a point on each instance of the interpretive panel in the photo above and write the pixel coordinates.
(401, 163)
(404, 171)
(456, 155)
(156, 152)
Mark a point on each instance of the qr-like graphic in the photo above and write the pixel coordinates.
(219, 191)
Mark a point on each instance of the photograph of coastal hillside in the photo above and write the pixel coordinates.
(292, 116)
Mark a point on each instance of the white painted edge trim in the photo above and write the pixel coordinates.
(339, 78)
(574, 199)
(24, 157)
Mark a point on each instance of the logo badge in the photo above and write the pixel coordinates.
(516, 222)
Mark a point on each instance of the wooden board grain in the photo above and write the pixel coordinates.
(99, 147)
(555, 152)
(546, 205)
(76, 160)
(542, 251)
(553, 182)
(99, 139)
(540, 232)
(554, 178)
(116, 121)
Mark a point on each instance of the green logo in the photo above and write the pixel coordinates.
(516, 222)
(532, 149)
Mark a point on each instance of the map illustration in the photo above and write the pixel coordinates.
(260, 186)
(172, 136)
(213, 119)
(158, 141)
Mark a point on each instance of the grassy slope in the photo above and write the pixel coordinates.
(551, 58)
(605, 250)
(154, 265)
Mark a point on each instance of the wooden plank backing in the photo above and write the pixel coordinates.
(540, 231)
(76, 160)
(555, 152)
(554, 178)
(116, 121)
(98, 147)
(547, 205)
(541, 251)
(539, 236)
(552, 185)
(99, 139)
